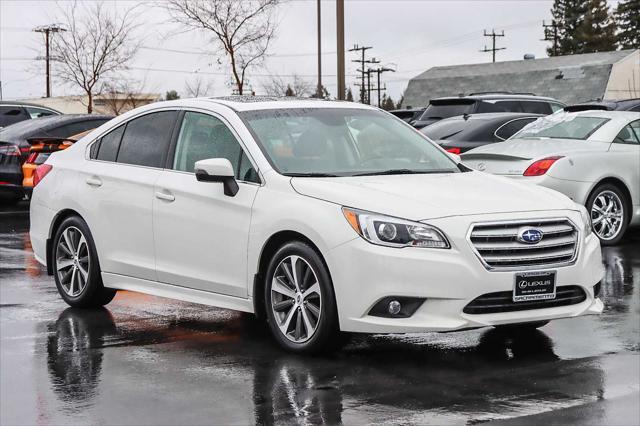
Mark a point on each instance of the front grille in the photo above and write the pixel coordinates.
(502, 301)
(497, 244)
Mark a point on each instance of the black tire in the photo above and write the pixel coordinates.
(626, 212)
(323, 337)
(93, 293)
(523, 326)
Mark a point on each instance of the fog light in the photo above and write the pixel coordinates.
(394, 307)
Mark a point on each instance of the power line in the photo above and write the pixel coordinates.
(203, 53)
(494, 49)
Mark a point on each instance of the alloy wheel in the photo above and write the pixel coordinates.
(296, 300)
(72, 261)
(607, 215)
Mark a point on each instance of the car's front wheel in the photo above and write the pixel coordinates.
(299, 298)
(76, 267)
(609, 213)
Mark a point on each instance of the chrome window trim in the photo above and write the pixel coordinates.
(530, 267)
(87, 151)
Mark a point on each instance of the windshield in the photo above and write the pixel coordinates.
(561, 126)
(343, 142)
(446, 110)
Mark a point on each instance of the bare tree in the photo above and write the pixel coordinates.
(198, 87)
(297, 86)
(97, 44)
(244, 28)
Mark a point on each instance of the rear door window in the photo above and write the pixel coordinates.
(509, 106)
(630, 134)
(12, 114)
(510, 128)
(535, 107)
(35, 112)
(146, 139)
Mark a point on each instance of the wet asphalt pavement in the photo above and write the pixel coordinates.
(147, 360)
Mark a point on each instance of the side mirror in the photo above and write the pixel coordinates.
(217, 170)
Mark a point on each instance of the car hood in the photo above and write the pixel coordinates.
(429, 196)
(535, 148)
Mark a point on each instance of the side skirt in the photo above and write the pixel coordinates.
(154, 288)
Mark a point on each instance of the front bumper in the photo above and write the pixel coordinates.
(363, 273)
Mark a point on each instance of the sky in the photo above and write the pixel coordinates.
(410, 36)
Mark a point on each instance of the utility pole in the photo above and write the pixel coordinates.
(379, 71)
(47, 30)
(319, 12)
(551, 34)
(493, 36)
(340, 41)
(362, 69)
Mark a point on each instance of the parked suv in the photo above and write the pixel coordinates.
(318, 216)
(476, 103)
(15, 112)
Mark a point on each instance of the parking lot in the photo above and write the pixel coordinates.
(155, 361)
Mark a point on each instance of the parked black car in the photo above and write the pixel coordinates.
(462, 133)
(14, 145)
(408, 115)
(14, 112)
(606, 105)
(477, 103)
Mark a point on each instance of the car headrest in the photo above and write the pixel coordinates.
(311, 143)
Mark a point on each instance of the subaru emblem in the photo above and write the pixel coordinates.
(529, 235)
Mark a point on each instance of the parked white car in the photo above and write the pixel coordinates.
(591, 156)
(318, 216)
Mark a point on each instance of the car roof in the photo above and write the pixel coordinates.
(252, 103)
(20, 103)
(491, 116)
(496, 96)
(606, 104)
(28, 128)
(625, 115)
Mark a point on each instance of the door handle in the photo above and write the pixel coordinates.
(94, 181)
(164, 196)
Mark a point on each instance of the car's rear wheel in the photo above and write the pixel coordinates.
(76, 267)
(299, 298)
(609, 213)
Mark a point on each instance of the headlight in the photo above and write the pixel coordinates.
(394, 232)
(586, 220)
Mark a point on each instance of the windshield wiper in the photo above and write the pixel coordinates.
(402, 172)
(312, 174)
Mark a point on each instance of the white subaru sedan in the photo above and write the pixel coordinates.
(317, 216)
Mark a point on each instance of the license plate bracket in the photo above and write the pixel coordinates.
(534, 286)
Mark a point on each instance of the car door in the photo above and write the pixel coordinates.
(201, 234)
(625, 151)
(117, 185)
